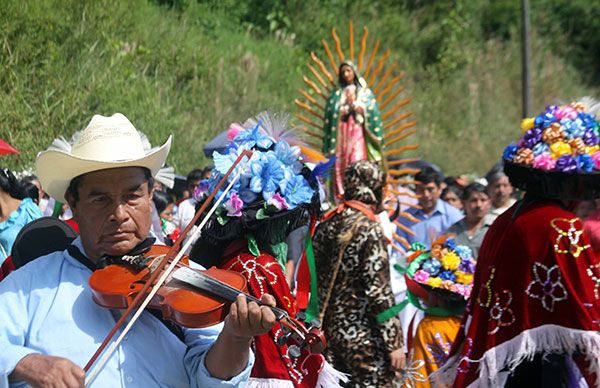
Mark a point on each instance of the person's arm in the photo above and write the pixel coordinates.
(224, 358)
(376, 278)
(18, 363)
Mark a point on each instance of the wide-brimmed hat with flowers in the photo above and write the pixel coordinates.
(275, 194)
(558, 155)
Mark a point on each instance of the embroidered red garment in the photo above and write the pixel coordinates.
(6, 267)
(536, 290)
(264, 275)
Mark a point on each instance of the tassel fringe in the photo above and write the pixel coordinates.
(329, 377)
(508, 355)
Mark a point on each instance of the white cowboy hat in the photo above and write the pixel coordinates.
(107, 142)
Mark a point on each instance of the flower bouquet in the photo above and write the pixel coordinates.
(446, 269)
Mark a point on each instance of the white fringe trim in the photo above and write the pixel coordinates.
(329, 377)
(255, 382)
(508, 355)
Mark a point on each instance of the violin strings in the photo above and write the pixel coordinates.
(218, 283)
(162, 279)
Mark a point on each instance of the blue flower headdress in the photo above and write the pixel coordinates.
(274, 195)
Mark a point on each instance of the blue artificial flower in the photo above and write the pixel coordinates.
(448, 275)
(585, 163)
(450, 244)
(266, 172)
(541, 148)
(588, 120)
(297, 191)
(253, 137)
(544, 120)
(509, 152)
(573, 128)
(432, 266)
(464, 252)
(286, 154)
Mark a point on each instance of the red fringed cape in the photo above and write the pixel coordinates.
(536, 289)
(264, 275)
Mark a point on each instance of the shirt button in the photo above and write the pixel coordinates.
(129, 379)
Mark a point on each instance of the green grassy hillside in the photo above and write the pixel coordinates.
(190, 68)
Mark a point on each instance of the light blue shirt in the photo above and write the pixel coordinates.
(430, 226)
(46, 307)
(9, 229)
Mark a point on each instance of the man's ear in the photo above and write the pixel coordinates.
(72, 204)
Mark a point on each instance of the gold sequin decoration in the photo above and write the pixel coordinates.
(572, 233)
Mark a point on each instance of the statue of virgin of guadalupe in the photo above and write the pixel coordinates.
(352, 127)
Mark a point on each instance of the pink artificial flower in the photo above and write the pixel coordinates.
(233, 131)
(565, 112)
(596, 159)
(234, 205)
(421, 276)
(278, 201)
(544, 161)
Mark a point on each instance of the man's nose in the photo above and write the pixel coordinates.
(119, 213)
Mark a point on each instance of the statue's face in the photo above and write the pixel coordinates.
(347, 74)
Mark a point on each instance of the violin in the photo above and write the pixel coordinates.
(180, 292)
(191, 297)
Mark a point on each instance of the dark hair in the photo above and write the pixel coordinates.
(30, 190)
(341, 80)
(9, 184)
(474, 188)
(428, 175)
(194, 175)
(161, 200)
(452, 188)
(495, 173)
(206, 171)
(73, 188)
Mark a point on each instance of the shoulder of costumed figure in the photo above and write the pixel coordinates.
(558, 153)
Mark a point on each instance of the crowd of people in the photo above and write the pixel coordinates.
(458, 284)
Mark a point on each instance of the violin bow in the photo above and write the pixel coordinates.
(154, 282)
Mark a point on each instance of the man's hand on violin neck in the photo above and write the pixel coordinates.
(247, 320)
(229, 355)
(39, 370)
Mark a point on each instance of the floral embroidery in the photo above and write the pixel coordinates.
(485, 294)
(411, 373)
(546, 285)
(439, 350)
(500, 314)
(595, 278)
(572, 233)
(250, 271)
(463, 365)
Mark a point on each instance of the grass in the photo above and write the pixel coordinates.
(190, 73)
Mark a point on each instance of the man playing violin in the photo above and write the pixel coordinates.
(49, 324)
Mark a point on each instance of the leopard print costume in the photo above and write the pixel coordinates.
(357, 344)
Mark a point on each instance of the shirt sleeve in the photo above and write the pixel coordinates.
(199, 341)
(376, 272)
(13, 324)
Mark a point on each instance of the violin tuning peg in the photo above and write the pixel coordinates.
(282, 340)
(293, 351)
(315, 323)
(301, 316)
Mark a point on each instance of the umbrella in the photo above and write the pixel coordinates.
(6, 148)
(218, 143)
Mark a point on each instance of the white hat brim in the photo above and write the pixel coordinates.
(55, 169)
